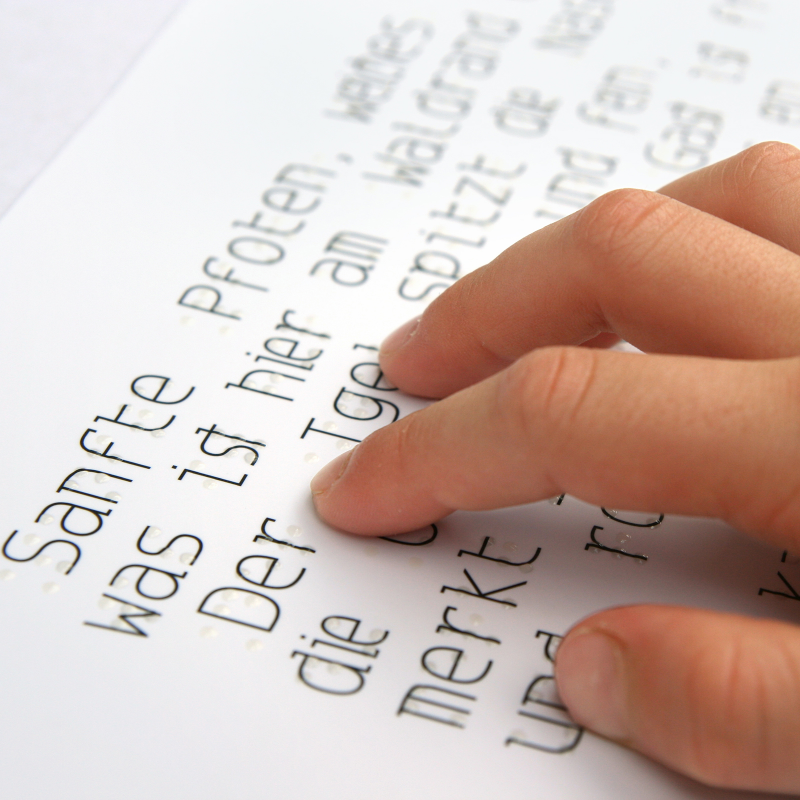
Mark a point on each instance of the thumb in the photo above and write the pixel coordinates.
(714, 696)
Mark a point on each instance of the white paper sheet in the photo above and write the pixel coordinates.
(325, 170)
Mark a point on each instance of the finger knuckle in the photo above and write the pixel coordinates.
(547, 389)
(617, 231)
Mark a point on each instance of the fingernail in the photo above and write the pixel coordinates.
(591, 682)
(395, 340)
(330, 473)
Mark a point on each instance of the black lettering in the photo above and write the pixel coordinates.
(77, 551)
(71, 508)
(413, 696)
(480, 554)
(125, 616)
(264, 569)
(484, 595)
(172, 579)
(154, 397)
(453, 656)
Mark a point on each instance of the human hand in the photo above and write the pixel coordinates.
(705, 278)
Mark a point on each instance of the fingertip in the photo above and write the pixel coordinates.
(399, 338)
(711, 695)
(326, 478)
(591, 680)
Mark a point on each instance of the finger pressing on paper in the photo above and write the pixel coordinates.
(756, 189)
(660, 274)
(715, 696)
(673, 434)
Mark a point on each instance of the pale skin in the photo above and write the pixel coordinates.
(704, 277)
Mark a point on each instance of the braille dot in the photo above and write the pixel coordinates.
(116, 496)
(209, 484)
(511, 547)
(166, 553)
(330, 426)
(6, 575)
(197, 465)
(475, 620)
(63, 567)
(251, 601)
(310, 458)
(101, 478)
(145, 413)
(32, 539)
(153, 532)
(187, 321)
(186, 558)
(43, 561)
(71, 485)
(208, 632)
(254, 645)
(346, 445)
(294, 530)
(50, 588)
(222, 610)
(45, 520)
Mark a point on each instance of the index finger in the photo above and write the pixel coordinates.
(663, 275)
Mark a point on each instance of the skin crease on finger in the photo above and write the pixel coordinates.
(708, 268)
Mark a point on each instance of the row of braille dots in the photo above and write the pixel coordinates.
(31, 539)
(51, 587)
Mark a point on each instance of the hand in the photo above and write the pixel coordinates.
(705, 278)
